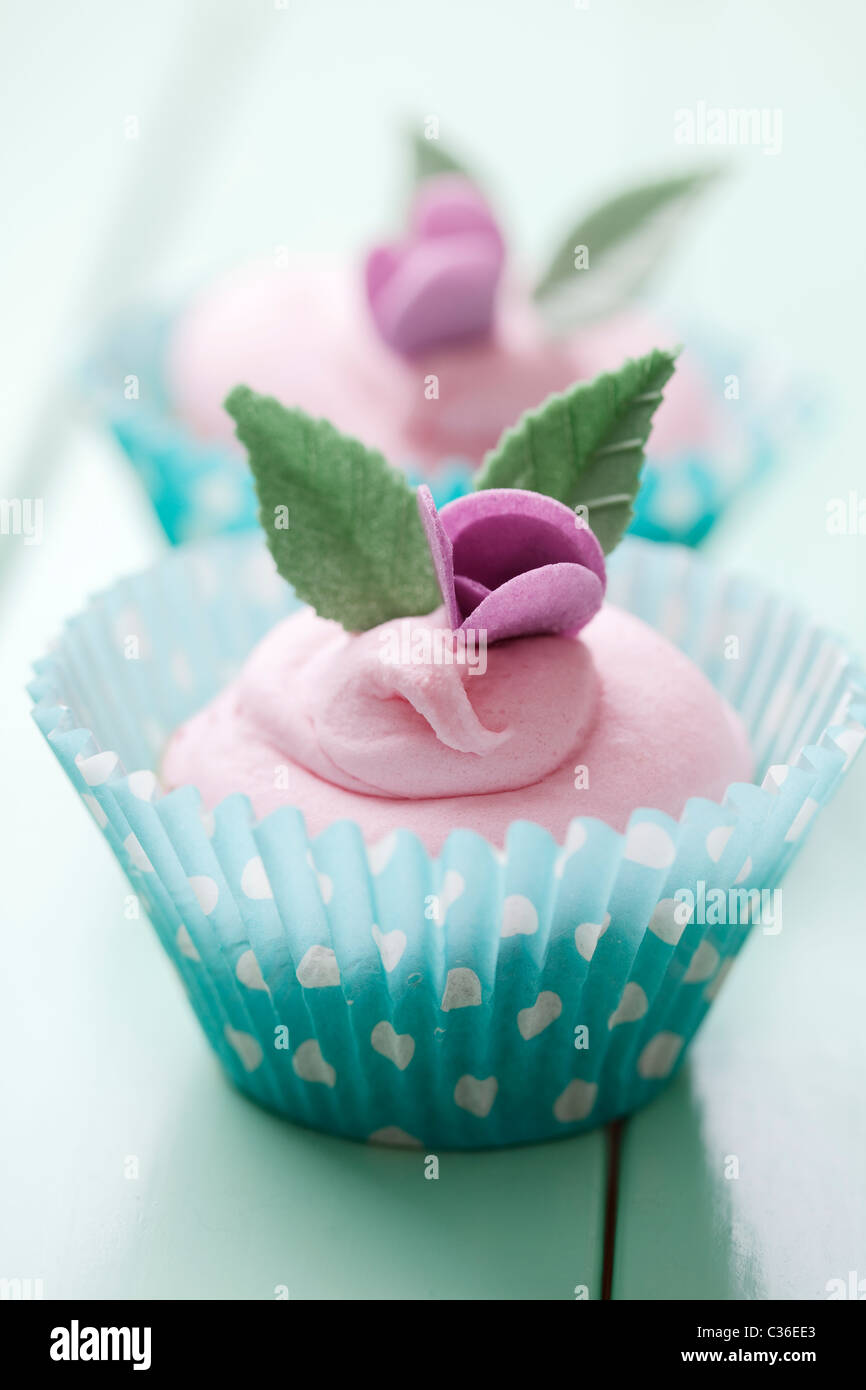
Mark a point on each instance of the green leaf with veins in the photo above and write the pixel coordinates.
(353, 546)
(585, 447)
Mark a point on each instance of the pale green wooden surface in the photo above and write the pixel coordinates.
(241, 1203)
(776, 1080)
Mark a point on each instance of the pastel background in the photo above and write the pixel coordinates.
(262, 125)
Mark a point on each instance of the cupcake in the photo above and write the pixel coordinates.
(454, 836)
(434, 346)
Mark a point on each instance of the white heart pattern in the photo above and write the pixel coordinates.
(519, 917)
(576, 1101)
(142, 784)
(586, 936)
(453, 887)
(185, 943)
(318, 968)
(254, 879)
(391, 946)
(462, 989)
(249, 972)
(206, 892)
(648, 844)
(476, 1095)
(663, 922)
(715, 985)
(246, 1046)
(399, 1048)
(97, 768)
(394, 1138)
(309, 1064)
(774, 777)
(575, 840)
(717, 840)
(380, 854)
(534, 1020)
(702, 965)
(632, 1006)
(658, 1057)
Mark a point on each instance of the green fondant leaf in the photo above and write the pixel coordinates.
(585, 447)
(431, 157)
(341, 524)
(607, 257)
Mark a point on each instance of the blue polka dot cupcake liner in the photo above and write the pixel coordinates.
(682, 498)
(197, 489)
(200, 489)
(482, 997)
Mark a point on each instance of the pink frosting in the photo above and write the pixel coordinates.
(344, 726)
(305, 335)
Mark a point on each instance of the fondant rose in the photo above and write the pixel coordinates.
(438, 286)
(513, 563)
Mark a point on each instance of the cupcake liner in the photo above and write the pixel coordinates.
(197, 489)
(201, 490)
(682, 497)
(486, 996)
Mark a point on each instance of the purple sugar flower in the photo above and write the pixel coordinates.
(513, 563)
(438, 286)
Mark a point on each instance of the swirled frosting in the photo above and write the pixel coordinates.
(377, 713)
(371, 728)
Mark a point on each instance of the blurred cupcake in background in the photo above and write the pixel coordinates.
(430, 349)
(454, 835)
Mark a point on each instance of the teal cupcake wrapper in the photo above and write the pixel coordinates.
(483, 997)
(201, 490)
